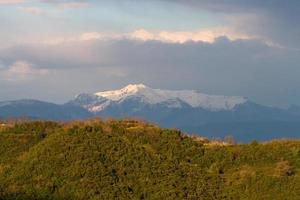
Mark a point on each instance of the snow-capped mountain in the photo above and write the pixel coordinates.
(188, 110)
(192, 111)
(173, 99)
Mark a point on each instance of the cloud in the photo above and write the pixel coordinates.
(251, 68)
(74, 5)
(21, 71)
(32, 10)
(250, 51)
(275, 20)
(90, 36)
(202, 35)
(68, 4)
(7, 2)
(1, 65)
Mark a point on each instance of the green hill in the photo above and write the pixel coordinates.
(128, 159)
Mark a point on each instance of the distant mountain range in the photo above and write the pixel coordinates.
(191, 111)
(34, 109)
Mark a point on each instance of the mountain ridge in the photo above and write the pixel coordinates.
(243, 119)
(156, 96)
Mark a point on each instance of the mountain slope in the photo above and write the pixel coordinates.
(34, 109)
(134, 160)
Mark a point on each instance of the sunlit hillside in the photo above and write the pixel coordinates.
(130, 159)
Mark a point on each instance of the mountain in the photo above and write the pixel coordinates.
(294, 109)
(194, 112)
(34, 109)
(212, 116)
(171, 99)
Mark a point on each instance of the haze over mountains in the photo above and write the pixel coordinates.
(191, 111)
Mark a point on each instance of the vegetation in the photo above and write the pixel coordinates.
(128, 159)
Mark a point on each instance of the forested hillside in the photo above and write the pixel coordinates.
(128, 159)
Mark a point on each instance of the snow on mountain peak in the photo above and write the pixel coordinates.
(155, 96)
(135, 87)
(116, 95)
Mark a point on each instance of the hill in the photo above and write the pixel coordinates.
(128, 159)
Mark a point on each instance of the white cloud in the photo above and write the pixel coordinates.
(90, 36)
(202, 35)
(20, 71)
(142, 34)
(7, 2)
(73, 5)
(32, 10)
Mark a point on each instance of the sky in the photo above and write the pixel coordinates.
(52, 50)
